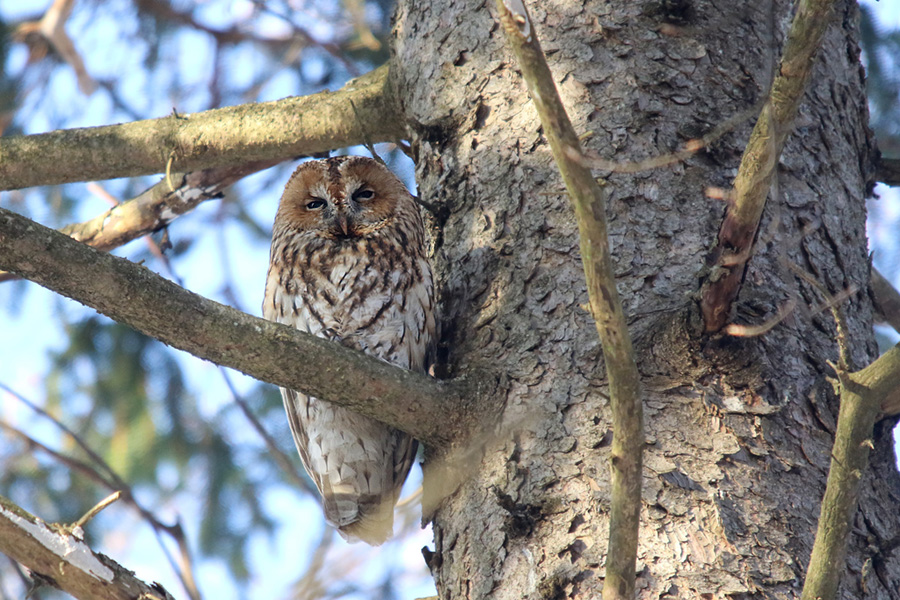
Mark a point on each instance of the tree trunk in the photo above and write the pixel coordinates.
(739, 429)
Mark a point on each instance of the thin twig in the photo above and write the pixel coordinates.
(690, 148)
(308, 586)
(832, 302)
(280, 457)
(333, 49)
(97, 460)
(740, 330)
(72, 463)
(96, 509)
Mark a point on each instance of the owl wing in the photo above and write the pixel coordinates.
(358, 464)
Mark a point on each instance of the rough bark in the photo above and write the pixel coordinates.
(739, 430)
(623, 379)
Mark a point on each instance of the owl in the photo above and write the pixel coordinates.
(348, 263)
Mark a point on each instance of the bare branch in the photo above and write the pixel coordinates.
(52, 28)
(624, 382)
(95, 510)
(183, 568)
(222, 137)
(754, 178)
(887, 171)
(887, 299)
(156, 207)
(862, 396)
(433, 412)
(62, 559)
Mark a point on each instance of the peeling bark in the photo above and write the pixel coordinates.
(57, 557)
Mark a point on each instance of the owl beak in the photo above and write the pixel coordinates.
(344, 224)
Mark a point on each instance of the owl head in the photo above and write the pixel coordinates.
(344, 198)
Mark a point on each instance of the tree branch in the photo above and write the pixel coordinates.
(57, 557)
(156, 207)
(728, 260)
(215, 138)
(887, 171)
(886, 299)
(52, 28)
(103, 474)
(624, 382)
(431, 411)
(887, 381)
(862, 396)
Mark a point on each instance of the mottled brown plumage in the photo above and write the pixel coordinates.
(348, 263)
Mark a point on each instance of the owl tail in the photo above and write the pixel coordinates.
(373, 517)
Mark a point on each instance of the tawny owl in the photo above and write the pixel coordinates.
(348, 263)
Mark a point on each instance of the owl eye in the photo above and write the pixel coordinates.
(315, 203)
(363, 194)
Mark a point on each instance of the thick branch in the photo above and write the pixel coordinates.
(423, 407)
(216, 138)
(156, 207)
(624, 382)
(728, 260)
(862, 395)
(59, 558)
